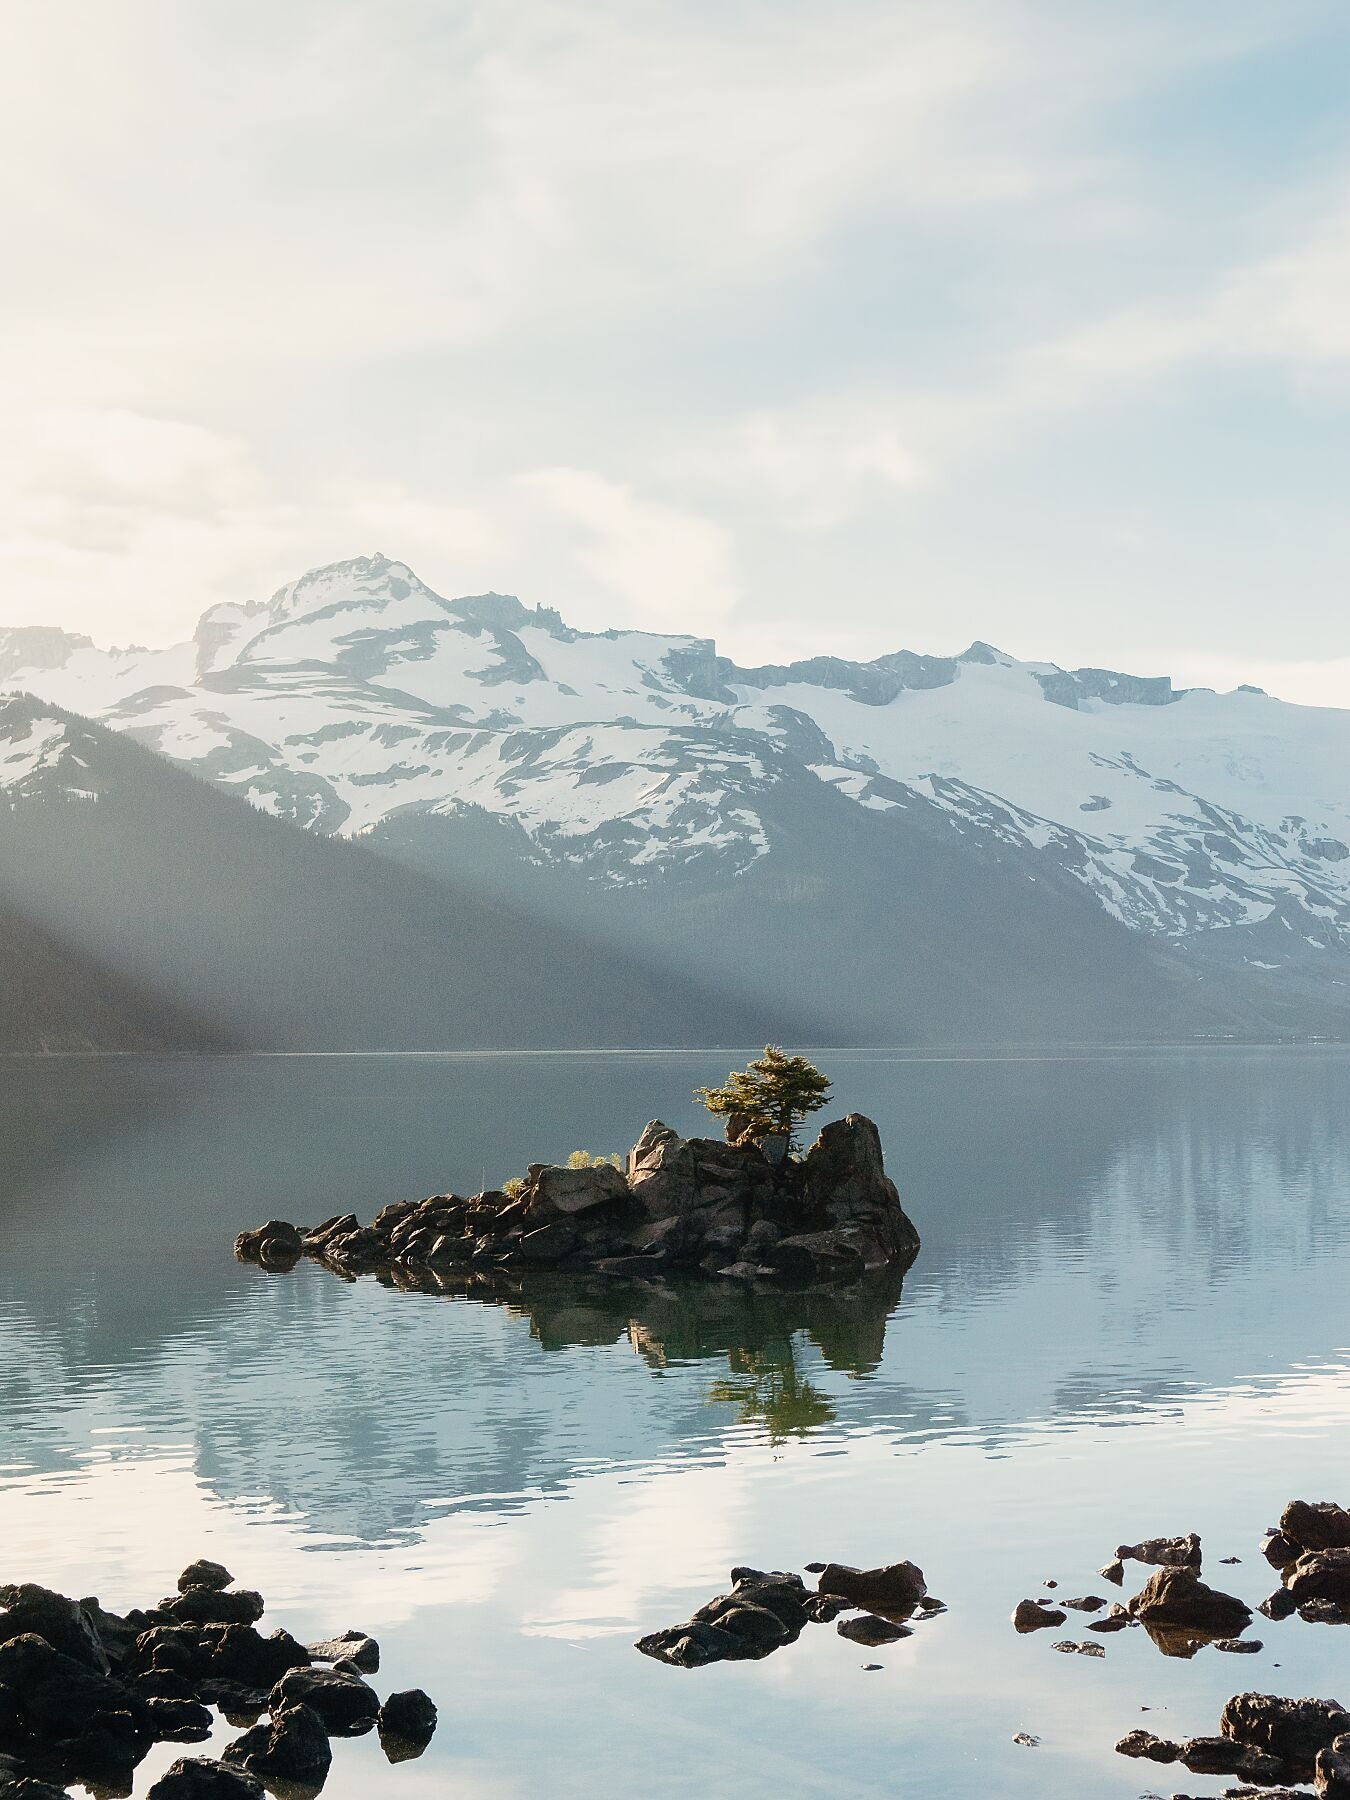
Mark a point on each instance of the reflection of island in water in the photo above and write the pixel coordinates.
(755, 1329)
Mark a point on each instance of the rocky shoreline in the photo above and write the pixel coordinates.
(680, 1205)
(85, 1693)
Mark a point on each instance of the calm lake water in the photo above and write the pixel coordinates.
(1131, 1315)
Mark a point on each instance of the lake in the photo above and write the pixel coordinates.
(1130, 1316)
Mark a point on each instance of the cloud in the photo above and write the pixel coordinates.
(671, 570)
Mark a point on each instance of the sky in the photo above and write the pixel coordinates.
(811, 325)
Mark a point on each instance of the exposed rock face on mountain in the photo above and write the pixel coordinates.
(683, 1204)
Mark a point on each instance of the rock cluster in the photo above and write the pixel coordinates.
(766, 1610)
(1311, 1548)
(85, 1693)
(1266, 1739)
(682, 1204)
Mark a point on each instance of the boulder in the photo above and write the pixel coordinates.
(353, 1646)
(552, 1193)
(843, 1177)
(178, 1721)
(63, 1623)
(211, 1606)
(896, 1588)
(1151, 1749)
(198, 1778)
(291, 1746)
(691, 1646)
(1278, 1549)
(203, 1574)
(1224, 1756)
(58, 1695)
(1294, 1730)
(1320, 1575)
(241, 1654)
(1316, 1525)
(1176, 1599)
(345, 1704)
(409, 1716)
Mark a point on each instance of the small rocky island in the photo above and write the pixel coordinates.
(745, 1208)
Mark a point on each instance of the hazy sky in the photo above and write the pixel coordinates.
(810, 324)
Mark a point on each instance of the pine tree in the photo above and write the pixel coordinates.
(774, 1093)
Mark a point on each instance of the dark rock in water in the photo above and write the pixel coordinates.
(198, 1778)
(691, 1646)
(824, 1609)
(896, 1588)
(1166, 1552)
(237, 1701)
(1278, 1550)
(1324, 1612)
(291, 1746)
(1332, 1770)
(1113, 1571)
(56, 1694)
(1175, 1598)
(202, 1574)
(1316, 1525)
(872, 1630)
(1279, 1605)
(353, 1646)
(163, 1684)
(1090, 1603)
(1239, 1646)
(1151, 1749)
(277, 1243)
(409, 1716)
(345, 1704)
(1294, 1730)
(62, 1623)
(242, 1654)
(1224, 1756)
(179, 1721)
(782, 1594)
(1030, 1615)
(815, 1568)
(209, 1606)
(1113, 1622)
(1320, 1575)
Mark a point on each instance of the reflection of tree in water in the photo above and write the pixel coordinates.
(766, 1388)
(757, 1330)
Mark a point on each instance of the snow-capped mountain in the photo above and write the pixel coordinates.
(356, 700)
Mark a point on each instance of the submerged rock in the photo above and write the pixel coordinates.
(871, 1629)
(1030, 1615)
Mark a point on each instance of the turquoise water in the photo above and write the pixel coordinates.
(1131, 1315)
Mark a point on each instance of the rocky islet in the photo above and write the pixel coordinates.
(694, 1206)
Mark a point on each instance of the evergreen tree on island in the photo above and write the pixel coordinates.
(768, 1098)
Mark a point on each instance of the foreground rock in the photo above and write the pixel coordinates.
(766, 1610)
(1180, 1612)
(683, 1204)
(85, 1693)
